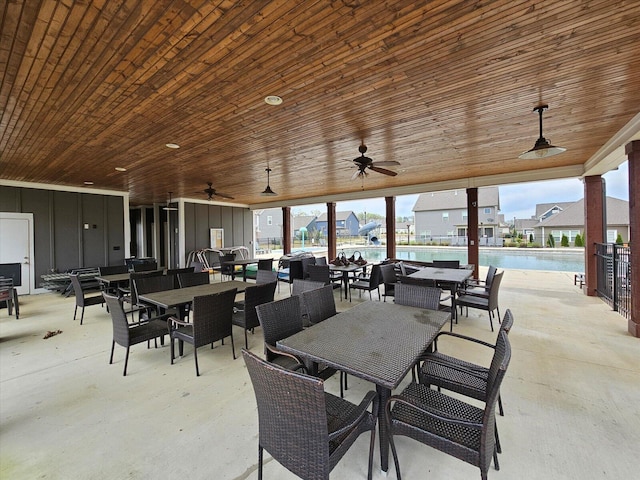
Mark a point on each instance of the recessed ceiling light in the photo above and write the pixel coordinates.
(121, 169)
(88, 183)
(272, 100)
(172, 145)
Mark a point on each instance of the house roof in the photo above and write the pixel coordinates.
(456, 199)
(542, 208)
(339, 216)
(300, 221)
(573, 214)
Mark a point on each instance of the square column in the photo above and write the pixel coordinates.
(632, 149)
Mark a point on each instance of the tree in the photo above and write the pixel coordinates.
(551, 242)
(531, 238)
(564, 241)
(619, 240)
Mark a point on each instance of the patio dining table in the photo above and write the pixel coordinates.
(114, 280)
(455, 276)
(243, 262)
(181, 297)
(346, 270)
(378, 342)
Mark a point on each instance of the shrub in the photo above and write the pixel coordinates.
(578, 242)
(619, 239)
(531, 238)
(551, 242)
(564, 241)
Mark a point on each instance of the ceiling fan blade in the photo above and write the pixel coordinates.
(223, 195)
(384, 171)
(385, 163)
(356, 174)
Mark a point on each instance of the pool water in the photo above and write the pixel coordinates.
(515, 258)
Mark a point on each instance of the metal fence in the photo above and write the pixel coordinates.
(614, 276)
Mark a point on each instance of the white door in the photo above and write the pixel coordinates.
(16, 246)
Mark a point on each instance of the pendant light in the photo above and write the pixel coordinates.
(542, 148)
(267, 191)
(169, 208)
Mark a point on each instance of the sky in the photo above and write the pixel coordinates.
(516, 200)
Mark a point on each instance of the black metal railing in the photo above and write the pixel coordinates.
(614, 276)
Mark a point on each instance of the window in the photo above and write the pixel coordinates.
(465, 215)
(445, 216)
(611, 236)
(487, 210)
(269, 220)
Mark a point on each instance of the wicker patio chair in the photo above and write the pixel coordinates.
(448, 424)
(389, 279)
(422, 296)
(83, 300)
(320, 303)
(299, 287)
(479, 287)
(265, 264)
(9, 295)
(279, 320)
(179, 271)
(458, 375)
(211, 322)
(489, 304)
(127, 334)
(192, 279)
(304, 428)
(145, 266)
(372, 283)
(322, 273)
(266, 276)
(151, 284)
(253, 296)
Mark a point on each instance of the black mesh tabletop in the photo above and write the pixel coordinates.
(181, 296)
(376, 341)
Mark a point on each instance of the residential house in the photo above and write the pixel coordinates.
(268, 228)
(567, 219)
(347, 224)
(443, 216)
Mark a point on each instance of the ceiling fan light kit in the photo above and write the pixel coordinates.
(542, 148)
(267, 191)
(212, 192)
(363, 163)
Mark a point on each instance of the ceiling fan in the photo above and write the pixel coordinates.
(211, 192)
(363, 163)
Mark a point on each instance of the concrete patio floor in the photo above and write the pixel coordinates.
(570, 395)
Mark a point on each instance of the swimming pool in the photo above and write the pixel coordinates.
(516, 258)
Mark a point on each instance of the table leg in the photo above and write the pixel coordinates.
(244, 273)
(345, 281)
(383, 395)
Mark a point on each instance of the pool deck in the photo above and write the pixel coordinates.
(570, 397)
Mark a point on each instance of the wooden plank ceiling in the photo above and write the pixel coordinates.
(446, 88)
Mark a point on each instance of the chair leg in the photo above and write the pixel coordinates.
(113, 346)
(498, 446)
(246, 341)
(233, 348)
(82, 316)
(195, 357)
(74, 313)
(126, 362)
(491, 320)
(259, 462)
(173, 355)
(372, 445)
(496, 464)
(394, 452)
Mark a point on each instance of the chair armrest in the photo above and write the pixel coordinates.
(274, 350)
(430, 412)
(371, 398)
(173, 320)
(462, 337)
